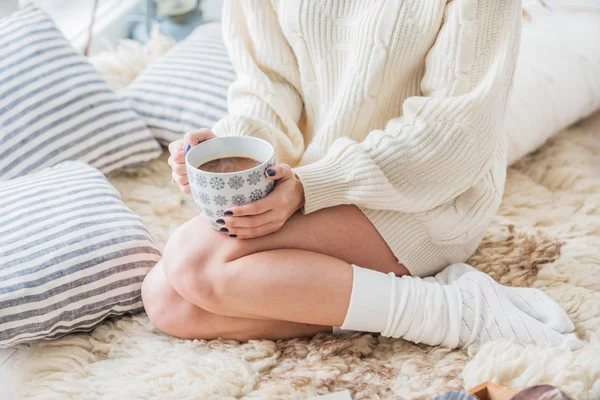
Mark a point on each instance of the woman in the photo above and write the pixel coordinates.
(391, 114)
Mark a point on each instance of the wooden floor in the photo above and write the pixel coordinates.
(5, 362)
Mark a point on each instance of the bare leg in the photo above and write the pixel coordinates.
(242, 289)
(301, 273)
(186, 320)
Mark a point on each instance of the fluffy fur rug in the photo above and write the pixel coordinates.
(546, 235)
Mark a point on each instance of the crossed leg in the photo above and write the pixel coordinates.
(295, 282)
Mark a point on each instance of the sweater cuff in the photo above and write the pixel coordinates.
(231, 126)
(324, 184)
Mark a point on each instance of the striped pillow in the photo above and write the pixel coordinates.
(54, 106)
(185, 89)
(71, 254)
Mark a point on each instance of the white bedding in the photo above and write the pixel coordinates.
(589, 5)
(557, 79)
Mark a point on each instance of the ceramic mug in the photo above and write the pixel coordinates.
(215, 192)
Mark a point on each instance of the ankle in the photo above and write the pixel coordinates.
(370, 300)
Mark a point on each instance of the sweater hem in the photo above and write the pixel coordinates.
(412, 245)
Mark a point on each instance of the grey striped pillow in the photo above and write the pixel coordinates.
(54, 106)
(185, 89)
(71, 254)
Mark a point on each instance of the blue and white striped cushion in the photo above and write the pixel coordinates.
(185, 89)
(71, 254)
(54, 106)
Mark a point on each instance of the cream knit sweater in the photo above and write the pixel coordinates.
(395, 106)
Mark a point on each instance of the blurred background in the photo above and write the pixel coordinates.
(117, 19)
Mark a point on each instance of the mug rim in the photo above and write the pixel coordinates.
(263, 164)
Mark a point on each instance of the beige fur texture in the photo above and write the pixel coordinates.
(546, 235)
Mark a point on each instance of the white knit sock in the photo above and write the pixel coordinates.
(456, 308)
(532, 302)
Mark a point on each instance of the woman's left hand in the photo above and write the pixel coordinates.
(268, 214)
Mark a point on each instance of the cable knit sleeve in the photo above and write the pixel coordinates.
(446, 140)
(264, 101)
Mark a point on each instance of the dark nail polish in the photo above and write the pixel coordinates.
(220, 222)
(186, 149)
(224, 230)
(228, 213)
(271, 172)
(233, 235)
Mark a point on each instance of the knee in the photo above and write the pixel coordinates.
(172, 314)
(195, 259)
(160, 302)
(188, 253)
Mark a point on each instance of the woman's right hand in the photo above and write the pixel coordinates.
(177, 158)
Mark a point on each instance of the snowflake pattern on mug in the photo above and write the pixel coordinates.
(254, 178)
(217, 183)
(200, 180)
(239, 199)
(203, 198)
(220, 200)
(236, 182)
(209, 213)
(220, 213)
(256, 195)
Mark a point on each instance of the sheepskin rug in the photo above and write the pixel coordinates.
(546, 235)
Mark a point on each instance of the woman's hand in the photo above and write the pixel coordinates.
(177, 158)
(268, 214)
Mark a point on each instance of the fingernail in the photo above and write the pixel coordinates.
(186, 149)
(233, 235)
(220, 221)
(271, 172)
(224, 230)
(228, 213)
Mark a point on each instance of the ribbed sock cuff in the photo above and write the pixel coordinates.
(370, 301)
